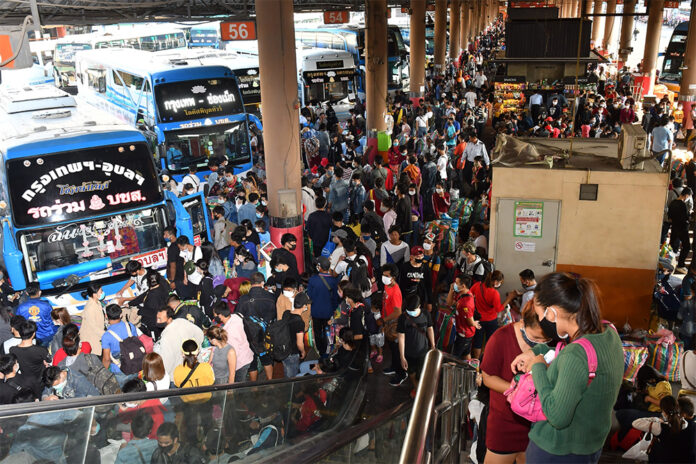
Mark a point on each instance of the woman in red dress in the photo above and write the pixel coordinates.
(506, 435)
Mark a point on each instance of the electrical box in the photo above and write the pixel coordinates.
(633, 146)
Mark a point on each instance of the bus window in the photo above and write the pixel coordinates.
(119, 236)
(96, 79)
(148, 44)
(132, 43)
(325, 40)
(308, 38)
(197, 146)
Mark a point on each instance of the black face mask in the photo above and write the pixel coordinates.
(166, 449)
(292, 247)
(161, 325)
(550, 331)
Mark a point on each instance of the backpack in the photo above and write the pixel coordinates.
(488, 267)
(229, 228)
(103, 379)
(279, 335)
(255, 330)
(132, 351)
(358, 275)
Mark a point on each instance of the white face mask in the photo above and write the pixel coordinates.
(386, 280)
(411, 192)
(288, 293)
(131, 405)
(427, 246)
(438, 190)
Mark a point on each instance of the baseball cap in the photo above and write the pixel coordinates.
(469, 247)
(323, 262)
(342, 234)
(430, 236)
(417, 250)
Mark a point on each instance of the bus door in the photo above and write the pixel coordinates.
(201, 222)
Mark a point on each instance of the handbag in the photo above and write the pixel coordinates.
(523, 397)
(639, 451)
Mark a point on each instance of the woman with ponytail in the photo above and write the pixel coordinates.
(674, 437)
(577, 408)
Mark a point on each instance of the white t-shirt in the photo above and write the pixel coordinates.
(190, 179)
(194, 256)
(442, 162)
(161, 384)
(335, 255)
(482, 242)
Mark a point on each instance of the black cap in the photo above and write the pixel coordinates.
(301, 300)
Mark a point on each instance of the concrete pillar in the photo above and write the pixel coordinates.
(588, 9)
(656, 9)
(609, 25)
(482, 16)
(687, 90)
(417, 36)
(597, 24)
(375, 70)
(277, 67)
(629, 7)
(576, 8)
(440, 34)
(454, 30)
(464, 17)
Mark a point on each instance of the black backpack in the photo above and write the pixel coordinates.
(92, 368)
(280, 338)
(255, 330)
(132, 351)
(488, 268)
(358, 275)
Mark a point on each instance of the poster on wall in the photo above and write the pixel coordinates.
(528, 218)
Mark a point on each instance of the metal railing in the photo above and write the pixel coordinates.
(435, 432)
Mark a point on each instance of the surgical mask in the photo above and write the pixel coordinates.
(418, 260)
(258, 231)
(526, 339)
(438, 190)
(427, 246)
(131, 405)
(96, 430)
(288, 293)
(412, 313)
(498, 285)
(278, 269)
(60, 387)
(259, 216)
(411, 192)
(239, 202)
(455, 287)
(386, 280)
(102, 296)
(549, 327)
(264, 202)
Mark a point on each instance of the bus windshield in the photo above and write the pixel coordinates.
(120, 237)
(197, 99)
(75, 185)
(66, 52)
(196, 146)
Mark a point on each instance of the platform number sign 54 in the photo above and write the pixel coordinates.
(238, 30)
(336, 17)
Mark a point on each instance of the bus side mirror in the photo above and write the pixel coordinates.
(102, 84)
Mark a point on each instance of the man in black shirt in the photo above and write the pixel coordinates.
(288, 244)
(291, 364)
(416, 278)
(11, 382)
(403, 212)
(259, 303)
(8, 297)
(678, 214)
(415, 334)
(175, 265)
(318, 226)
(31, 357)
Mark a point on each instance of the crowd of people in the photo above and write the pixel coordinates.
(395, 242)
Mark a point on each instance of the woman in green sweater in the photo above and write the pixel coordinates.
(578, 415)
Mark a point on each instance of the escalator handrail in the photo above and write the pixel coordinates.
(25, 409)
(413, 449)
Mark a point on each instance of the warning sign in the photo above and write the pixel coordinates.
(528, 218)
(529, 247)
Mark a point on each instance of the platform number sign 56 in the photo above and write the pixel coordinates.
(336, 17)
(238, 30)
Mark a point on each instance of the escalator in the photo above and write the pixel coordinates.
(319, 418)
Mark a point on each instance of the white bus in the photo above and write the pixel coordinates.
(150, 39)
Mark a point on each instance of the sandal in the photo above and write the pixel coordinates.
(379, 359)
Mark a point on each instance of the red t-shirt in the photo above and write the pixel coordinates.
(153, 408)
(392, 299)
(465, 310)
(60, 355)
(507, 432)
(487, 301)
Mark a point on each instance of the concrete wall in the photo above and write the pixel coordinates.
(613, 240)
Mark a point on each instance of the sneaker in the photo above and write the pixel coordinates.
(388, 371)
(379, 359)
(681, 270)
(396, 381)
(373, 354)
(370, 370)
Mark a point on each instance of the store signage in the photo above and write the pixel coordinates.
(249, 84)
(672, 4)
(336, 17)
(238, 30)
(154, 259)
(326, 77)
(197, 99)
(528, 5)
(82, 183)
(512, 79)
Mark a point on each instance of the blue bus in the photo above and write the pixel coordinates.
(80, 196)
(352, 39)
(206, 35)
(195, 112)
